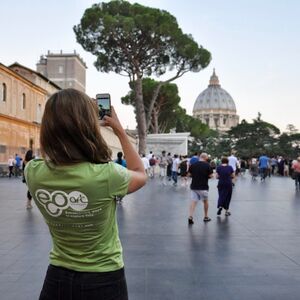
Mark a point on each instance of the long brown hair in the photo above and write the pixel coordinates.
(70, 131)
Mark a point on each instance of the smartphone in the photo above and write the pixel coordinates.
(103, 103)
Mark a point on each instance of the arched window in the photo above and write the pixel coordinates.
(4, 92)
(23, 101)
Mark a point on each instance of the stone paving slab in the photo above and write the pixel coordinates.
(253, 254)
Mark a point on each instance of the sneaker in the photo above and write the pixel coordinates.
(191, 221)
(228, 213)
(219, 211)
(206, 219)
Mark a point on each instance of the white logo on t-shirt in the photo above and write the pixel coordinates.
(58, 201)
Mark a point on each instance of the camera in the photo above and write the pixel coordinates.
(104, 106)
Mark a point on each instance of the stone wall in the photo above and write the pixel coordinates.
(175, 143)
(67, 70)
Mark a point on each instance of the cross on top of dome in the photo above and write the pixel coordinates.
(214, 80)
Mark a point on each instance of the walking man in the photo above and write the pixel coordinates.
(10, 162)
(17, 165)
(152, 163)
(200, 172)
(233, 162)
(145, 161)
(163, 163)
(175, 166)
(169, 166)
(263, 166)
(194, 158)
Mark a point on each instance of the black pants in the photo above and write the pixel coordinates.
(65, 284)
(297, 179)
(10, 168)
(263, 173)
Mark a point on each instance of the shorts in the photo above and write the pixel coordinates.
(197, 195)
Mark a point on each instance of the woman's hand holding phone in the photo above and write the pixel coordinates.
(113, 122)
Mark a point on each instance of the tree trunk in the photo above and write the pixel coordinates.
(140, 115)
(180, 72)
(152, 102)
(155, 120)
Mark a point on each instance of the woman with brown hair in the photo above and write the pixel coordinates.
(225, 174)
(74, 186)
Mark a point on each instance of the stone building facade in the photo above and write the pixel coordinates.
(23, 95)
(67, 70)
(36, 78)
(21, 108)
(215, 107)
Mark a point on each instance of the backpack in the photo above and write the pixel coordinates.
(183, 166)
(152, 161)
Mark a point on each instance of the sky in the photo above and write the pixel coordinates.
(255, 49)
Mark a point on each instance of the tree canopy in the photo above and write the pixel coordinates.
(136, 41)
(252, 140)
(167, 113)
(165, 110)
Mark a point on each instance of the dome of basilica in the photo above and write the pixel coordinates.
(215, 107)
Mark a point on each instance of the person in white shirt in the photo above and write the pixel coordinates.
(175, 165)
(11, 163)
(149, 156)
(233, 162)
(163, 163)
(152, 163)
(254, 168)
(253, 161)
(145, 161)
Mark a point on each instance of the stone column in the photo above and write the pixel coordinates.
(211, 121)
(221, 124)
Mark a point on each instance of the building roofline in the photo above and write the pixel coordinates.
(30, 83)
(61, 54)
(35, 72)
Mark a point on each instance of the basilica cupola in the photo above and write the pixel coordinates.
(215, 107)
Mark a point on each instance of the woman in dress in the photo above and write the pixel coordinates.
(225, 174)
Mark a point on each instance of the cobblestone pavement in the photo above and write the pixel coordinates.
(253, 254)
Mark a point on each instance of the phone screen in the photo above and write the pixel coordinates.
(103, 102)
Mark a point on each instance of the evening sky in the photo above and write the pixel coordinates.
(255, 48)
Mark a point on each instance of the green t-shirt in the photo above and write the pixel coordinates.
(78, 205)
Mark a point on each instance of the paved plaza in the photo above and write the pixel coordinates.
(253, 254)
